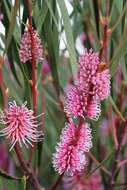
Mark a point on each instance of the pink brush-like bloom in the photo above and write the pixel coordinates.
(90, 79)
(80, 182)
(78, 103)
(25, 47)
(88, 64)
(101, 81)
(91, 86)
(74, 142)
(21, 125)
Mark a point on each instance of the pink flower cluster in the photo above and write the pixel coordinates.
(21, 125)
(25, 47)
(80, 182)
(91, 86)
(74, 142)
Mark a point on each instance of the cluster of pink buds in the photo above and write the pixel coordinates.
(25, 47)
(92, 85)
(74, 142)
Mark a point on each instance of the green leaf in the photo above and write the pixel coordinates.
(119, 19)
(11, 25)
(27, 93)
(6, 11)
(53, 58)
(52, 14)
(14, 91)
(40, 15)
(119, 52)
(39, 149)
(69, 34)
(13, 52)
(49, 96)
(116, 109)
(22, 183)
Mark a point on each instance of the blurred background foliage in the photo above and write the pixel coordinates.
(65, 28)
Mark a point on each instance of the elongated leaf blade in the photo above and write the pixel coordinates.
(11, 25)
(69, 34)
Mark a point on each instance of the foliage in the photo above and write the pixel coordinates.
(57, 25)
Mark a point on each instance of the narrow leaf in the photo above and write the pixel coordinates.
(11, 25)
(69, 34)
(119, 52)
(116, 109)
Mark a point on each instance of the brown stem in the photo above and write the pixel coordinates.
(91, 156)
(3, 87)
(28, 171)
(112, 126)
(104, 47)
(119, 184)
(7, 175)
(57, 182)
(114, 166)
(33, 67)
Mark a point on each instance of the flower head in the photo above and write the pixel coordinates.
(25, 47)
(90, 79)
(91, 86)
(78, 103)
(74, 142)
(88, 64)
(101, 81)
(21, 125)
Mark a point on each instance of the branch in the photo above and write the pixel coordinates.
(104, 47)
(8, 176)
(57, 182)
(114, 167)
(28, 171)
(98, 163)
(33, 67)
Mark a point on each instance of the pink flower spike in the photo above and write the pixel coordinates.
(75, 104)
(78, 104)
(101, 83)
(25, 47)
(21, 125)
(70, 151)
(92, 85)
(88, 64)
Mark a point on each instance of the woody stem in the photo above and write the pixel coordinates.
(33, 64)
